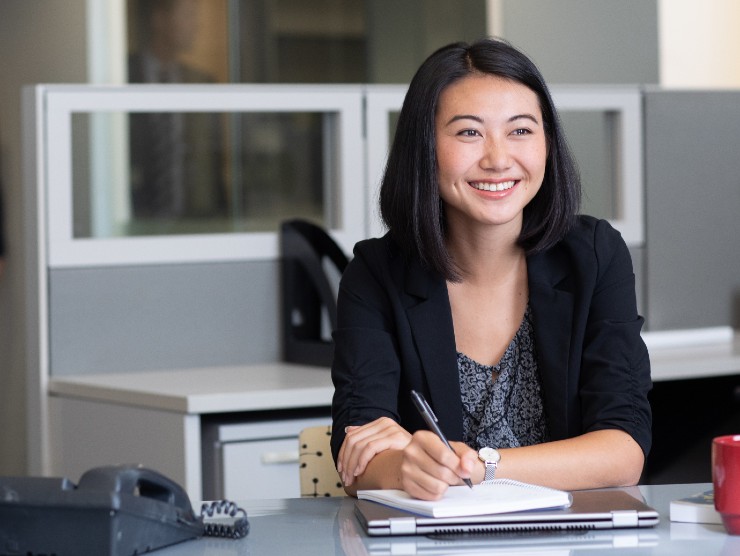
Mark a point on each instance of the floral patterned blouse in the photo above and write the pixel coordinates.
(502, 404)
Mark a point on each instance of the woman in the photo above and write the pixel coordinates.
(515, 318)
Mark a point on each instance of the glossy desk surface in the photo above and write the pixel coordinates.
(327, 526)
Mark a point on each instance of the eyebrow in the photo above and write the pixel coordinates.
(480, 120)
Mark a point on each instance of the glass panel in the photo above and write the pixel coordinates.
(292, 41)
(593, 139)
(200, 172)
(178, 41)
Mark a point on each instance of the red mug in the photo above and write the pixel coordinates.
(726, 480)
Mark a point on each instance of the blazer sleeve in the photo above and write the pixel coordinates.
(615, 366)
(366, 368)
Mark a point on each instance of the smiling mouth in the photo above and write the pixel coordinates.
(486, 186)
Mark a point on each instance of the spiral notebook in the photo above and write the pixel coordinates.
(590, 509)
(495, 497)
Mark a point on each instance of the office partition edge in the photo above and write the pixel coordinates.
(36, 291)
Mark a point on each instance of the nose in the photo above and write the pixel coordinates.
(496, 156)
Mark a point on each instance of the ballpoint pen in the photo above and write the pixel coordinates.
(431, 420)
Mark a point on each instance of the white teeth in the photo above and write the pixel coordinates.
(493, 186)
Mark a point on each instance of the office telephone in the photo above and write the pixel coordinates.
(113, 510)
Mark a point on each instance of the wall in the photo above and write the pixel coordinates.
(41, 41)
(699, 43)
(586, 41)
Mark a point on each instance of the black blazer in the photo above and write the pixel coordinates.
(394, 334)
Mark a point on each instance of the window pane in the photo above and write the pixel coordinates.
(200, 172)
(178, 41)
(292, 41)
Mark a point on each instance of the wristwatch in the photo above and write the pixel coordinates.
(490, 457)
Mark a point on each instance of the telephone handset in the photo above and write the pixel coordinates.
(114, 510)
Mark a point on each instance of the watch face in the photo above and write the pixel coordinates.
(489, 454)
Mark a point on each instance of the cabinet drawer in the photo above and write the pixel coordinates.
(261, 469)
(257, 459)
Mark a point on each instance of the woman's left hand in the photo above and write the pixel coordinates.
(362, 443)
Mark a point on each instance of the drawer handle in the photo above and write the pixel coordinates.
(271, 458)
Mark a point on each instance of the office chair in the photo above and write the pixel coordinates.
(318, 476)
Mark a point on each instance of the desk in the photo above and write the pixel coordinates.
(696, 361)
(327, 526)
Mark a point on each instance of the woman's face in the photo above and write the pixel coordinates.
(491, 150)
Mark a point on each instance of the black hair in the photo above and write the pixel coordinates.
(410, 203)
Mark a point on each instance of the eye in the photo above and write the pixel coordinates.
(469, 133)
(522, 131)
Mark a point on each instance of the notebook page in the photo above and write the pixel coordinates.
(499, 496)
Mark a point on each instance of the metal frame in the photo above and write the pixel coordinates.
(60, 102)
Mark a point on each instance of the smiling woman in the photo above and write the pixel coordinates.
(512, 315)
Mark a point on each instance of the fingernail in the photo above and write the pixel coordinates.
(346, 429)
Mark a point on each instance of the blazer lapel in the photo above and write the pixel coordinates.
(430, 319)
(552, 313)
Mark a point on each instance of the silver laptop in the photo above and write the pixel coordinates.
(591, 509)
(557, 543)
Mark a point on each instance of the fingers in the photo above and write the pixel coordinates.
(340, 457)
(429, 467)
(362, 443)
(468, 459)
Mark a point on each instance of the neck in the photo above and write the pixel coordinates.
(486, 257)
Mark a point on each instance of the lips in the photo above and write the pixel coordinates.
(488, 186)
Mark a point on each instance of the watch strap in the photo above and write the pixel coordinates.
(490, 471)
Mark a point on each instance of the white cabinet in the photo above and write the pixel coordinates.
(165, 420)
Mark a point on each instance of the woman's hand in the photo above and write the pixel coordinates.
(420, 463)
(428, 467)
(362, 443)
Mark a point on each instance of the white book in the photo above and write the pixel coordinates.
(698, 508)
(498, 496)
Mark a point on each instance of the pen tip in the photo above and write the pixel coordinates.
(468, 482)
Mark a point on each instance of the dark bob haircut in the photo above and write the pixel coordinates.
(410, 203)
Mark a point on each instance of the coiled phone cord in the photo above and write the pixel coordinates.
(222, 508)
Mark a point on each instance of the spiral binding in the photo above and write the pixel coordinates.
(237, 529)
